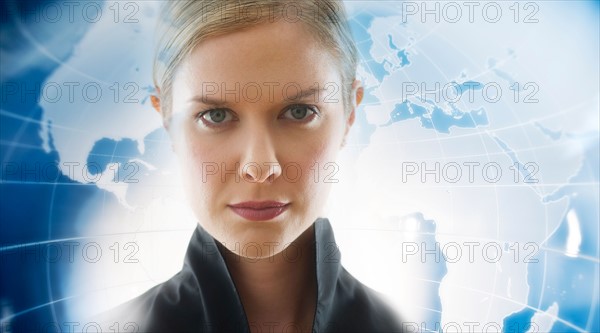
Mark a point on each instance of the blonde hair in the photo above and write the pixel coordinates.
(184, 24)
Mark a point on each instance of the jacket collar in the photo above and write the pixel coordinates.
(328, 261)
(221, 304)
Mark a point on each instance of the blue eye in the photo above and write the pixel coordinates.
(300, 112)
(215, 117)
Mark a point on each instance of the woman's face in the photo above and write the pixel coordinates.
(257, 115)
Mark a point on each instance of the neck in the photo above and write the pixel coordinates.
(278, 293)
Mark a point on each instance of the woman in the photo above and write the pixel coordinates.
(258, 97)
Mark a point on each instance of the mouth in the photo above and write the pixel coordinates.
(259, 210)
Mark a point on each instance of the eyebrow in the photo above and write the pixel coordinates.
(215, 101)
(306, 93)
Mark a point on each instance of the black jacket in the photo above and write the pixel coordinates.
(202, 296)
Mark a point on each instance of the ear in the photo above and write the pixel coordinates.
(155, 99)
(155, 102)
(357, 92)
(357, 96)
(156, 105)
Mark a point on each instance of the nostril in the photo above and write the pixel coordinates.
(271, 178)
(248, 177)
(252, 172)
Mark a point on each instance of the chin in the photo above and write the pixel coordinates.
(265, 241)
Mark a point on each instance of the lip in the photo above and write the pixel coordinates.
(259, 210)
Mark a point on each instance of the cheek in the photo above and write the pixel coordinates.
(196, 152)
(200, 161)
(315, 159)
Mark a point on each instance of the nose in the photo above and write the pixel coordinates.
(259, 162)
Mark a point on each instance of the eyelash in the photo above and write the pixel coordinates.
(308, 119)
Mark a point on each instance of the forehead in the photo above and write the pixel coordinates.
(281, 52)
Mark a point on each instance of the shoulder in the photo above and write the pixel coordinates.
(159, 308)
(359, 308)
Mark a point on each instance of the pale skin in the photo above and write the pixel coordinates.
(273, 130)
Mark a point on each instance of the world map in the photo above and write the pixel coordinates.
(467, 194)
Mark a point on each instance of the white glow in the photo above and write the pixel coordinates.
(574, 234)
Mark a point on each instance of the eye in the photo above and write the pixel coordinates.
(301, 112)
(215, 117)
